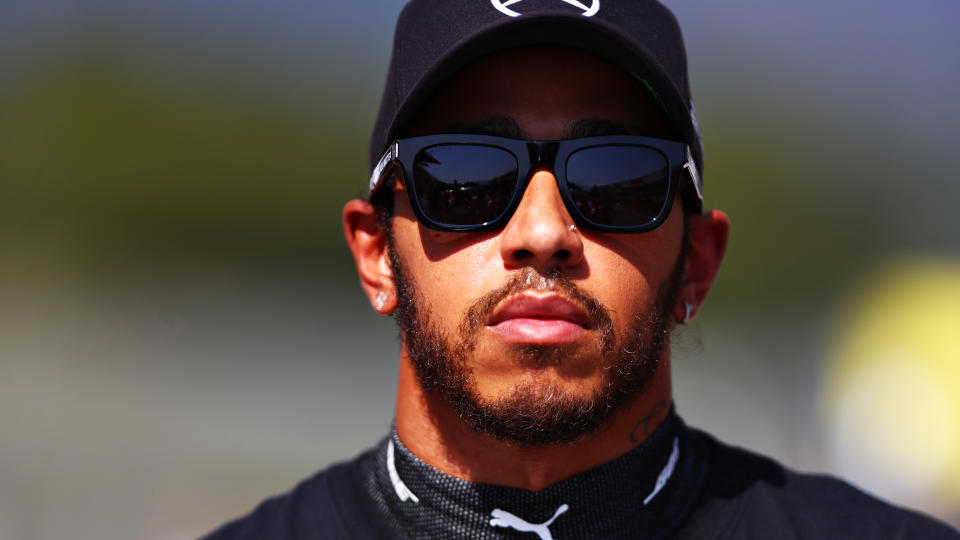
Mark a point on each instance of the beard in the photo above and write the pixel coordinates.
(534, 413)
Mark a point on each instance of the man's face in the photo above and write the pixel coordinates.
(538, 331)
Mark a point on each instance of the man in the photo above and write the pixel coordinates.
(535, 225)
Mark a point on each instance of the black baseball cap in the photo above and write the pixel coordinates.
(435, 39)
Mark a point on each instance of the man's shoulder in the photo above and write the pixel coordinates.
(332, 503)
(747, 495)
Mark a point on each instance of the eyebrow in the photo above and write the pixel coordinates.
(499, 126)
(595, 127)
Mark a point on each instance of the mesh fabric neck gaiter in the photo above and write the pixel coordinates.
(645, 493)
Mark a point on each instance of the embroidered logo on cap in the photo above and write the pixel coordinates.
(588, 11)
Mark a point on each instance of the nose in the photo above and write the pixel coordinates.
(540, 233)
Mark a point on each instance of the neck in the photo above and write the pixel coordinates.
(433, 431)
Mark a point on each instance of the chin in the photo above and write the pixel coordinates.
(569, 364)
(538, 411)
(544, 382)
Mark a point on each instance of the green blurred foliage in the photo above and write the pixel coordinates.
(131, 165)
(796, 234)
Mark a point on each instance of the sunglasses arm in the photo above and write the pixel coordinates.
(691, 167)
(388, 157)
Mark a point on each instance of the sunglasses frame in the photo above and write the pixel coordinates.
(532, 155)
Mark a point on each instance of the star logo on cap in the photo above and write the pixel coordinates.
(503, 6)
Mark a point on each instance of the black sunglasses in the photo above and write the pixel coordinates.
(619, 183)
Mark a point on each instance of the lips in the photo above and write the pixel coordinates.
(533, 319)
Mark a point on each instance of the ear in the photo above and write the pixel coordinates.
(708, 242)
(368, 242)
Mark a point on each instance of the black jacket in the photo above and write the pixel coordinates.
(742, 496)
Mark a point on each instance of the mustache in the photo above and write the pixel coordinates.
(528, 279)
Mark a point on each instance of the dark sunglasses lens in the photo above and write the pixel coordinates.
(464, 184)
(618, 185)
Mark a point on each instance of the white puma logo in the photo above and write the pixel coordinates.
(502, 518)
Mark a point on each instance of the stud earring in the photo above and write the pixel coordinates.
(381, 299)
(687, 312)
(573, 228)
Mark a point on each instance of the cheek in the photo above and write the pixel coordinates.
(624, 285)
(653, 254)
(450, 270)
(628, 271)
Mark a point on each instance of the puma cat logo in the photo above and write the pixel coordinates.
(502, 518)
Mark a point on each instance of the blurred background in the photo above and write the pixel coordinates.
(182, 332)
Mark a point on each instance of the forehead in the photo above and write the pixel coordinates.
(545, 93)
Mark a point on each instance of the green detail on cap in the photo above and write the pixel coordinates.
(656, 96)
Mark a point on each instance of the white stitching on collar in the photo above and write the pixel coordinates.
(403, 492)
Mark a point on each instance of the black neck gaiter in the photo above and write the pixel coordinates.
(645, 493)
